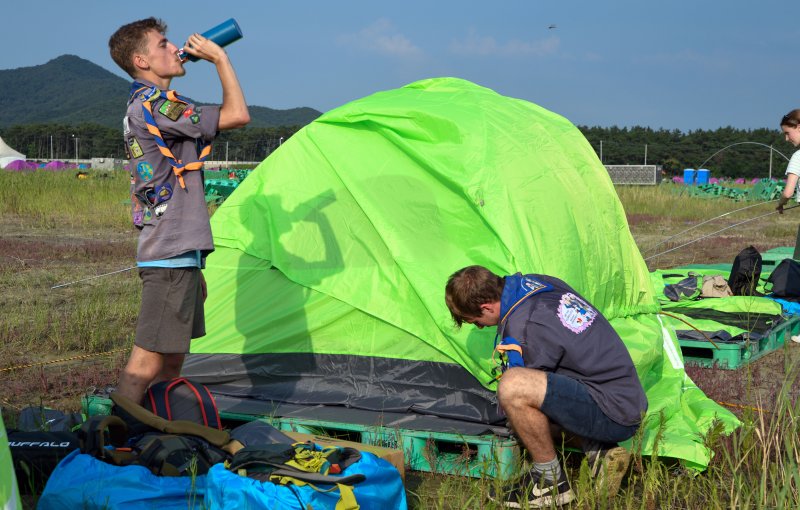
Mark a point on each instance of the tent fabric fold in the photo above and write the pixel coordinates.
(341, 241)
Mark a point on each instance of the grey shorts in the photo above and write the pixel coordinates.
(172, 309)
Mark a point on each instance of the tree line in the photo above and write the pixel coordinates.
(746, 151)
(85, 141)
(748, 154)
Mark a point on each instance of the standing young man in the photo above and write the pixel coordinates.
(566, 368)
(167, 139)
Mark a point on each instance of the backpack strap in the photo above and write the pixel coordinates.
(92, 439)
(215, 437)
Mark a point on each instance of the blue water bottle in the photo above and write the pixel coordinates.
(222, 34)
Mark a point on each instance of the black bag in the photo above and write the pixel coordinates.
(173, 455)
(183, 399)
(687, 289)
(785, 279)
(164, 454)
(745, 273)
(36, 454)
(51, 420)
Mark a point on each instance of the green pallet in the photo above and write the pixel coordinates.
(771, 258)
(433, 452)
(732, 355)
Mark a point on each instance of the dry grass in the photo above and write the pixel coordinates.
(56, 229)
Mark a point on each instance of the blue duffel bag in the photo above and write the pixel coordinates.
(85, 482)
(380, 488)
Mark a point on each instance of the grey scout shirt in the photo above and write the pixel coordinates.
(560, 332)
(172, 220)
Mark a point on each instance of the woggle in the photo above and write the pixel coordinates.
(222, 34)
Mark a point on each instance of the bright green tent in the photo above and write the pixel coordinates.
(9, 494)
(327, 286)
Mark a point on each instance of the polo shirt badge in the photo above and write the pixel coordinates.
(575, 314)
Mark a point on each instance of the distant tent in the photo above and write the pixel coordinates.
(55, 165)
(8, 155)
(17, 164)
(739, 180)
(327, 285)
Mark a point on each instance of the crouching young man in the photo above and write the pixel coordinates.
(566, 368)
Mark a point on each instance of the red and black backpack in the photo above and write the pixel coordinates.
(183, 399)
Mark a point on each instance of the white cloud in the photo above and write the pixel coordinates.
(485, 46)
(381, 37)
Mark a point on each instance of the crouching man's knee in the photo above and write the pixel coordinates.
(521, 387)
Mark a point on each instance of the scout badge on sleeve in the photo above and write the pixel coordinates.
(172, 110)
(575, 314)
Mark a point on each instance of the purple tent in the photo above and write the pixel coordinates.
(740, 180)
(677, 180)
(713, 180)
(55, 165)
(17, 164)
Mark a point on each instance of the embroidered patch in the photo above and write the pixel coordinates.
(194, 118)
(532, 285)
(188, 112)
(575, 314)
(136, 212)
(145, 170)
(171, 110)
(160, 209)
(136, 149)
(162, 193)
(148, 215)
(126, 130)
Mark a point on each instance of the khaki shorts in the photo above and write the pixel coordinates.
(172, 309)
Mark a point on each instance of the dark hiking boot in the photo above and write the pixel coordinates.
(608, 464)
(537, 491)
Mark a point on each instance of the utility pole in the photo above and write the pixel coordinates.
(226, 154)
(770, 162)
(645, 154)
(51, 147)
(601, 151)
(76, 149)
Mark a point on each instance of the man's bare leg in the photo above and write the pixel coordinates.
(141, 370)
(521, 393)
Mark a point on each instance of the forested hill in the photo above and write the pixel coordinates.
(71, 90)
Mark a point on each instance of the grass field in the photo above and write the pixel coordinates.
(58, 343)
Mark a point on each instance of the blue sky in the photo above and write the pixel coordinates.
(677, 65)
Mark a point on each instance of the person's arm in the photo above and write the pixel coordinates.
(233, 112)
(788, 191)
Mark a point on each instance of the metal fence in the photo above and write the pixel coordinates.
(635, 174)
